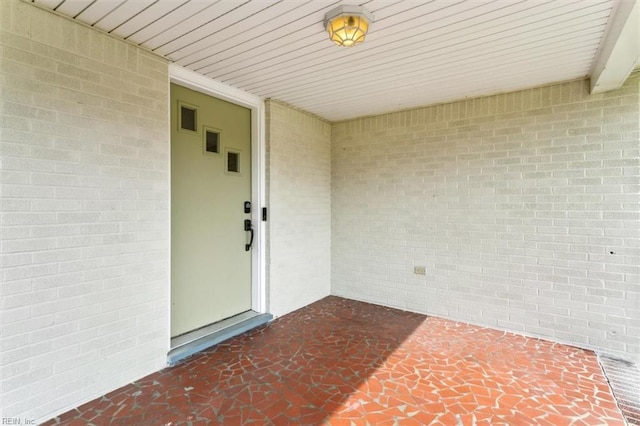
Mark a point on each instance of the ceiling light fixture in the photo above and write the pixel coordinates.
(347, 25)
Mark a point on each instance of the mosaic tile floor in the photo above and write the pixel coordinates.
(341, 362)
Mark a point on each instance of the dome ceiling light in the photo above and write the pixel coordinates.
(347, 25)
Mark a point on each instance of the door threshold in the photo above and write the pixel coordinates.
(198, 340)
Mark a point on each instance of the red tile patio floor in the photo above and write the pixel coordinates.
(342, 362)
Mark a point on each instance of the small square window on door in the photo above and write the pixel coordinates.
(211, 141)
(187, 117)
(232, 162)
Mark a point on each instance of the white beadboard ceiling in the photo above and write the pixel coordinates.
(416, 52)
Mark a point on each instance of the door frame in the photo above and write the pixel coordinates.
(192, 80)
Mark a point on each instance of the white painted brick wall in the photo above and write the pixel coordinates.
(524, 207)
(299, 192)
(84, 193)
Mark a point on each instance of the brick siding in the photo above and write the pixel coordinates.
(524, 208)
(85, 220)
(299, 228)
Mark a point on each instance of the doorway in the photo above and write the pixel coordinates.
(211, 228)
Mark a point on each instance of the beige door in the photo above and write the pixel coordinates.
(210, 183)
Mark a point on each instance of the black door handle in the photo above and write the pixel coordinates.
(248, 227)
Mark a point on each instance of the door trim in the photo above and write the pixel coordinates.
(202, 84)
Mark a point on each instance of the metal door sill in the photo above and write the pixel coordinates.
(198, 340)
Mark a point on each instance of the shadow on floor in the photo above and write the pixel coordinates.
(297, 370)
(342, 362)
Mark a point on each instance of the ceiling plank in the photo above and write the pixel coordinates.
(296, 29)
(145, 17)
(176, 21)
(310, 40)
(389, 78)
(237, 15)
(73, 7)
(50, 4)
(263, 29)
(469, 72)
(495, 22)
(237, 32)
(504, 41)
(122, 14)
(446, 50)
(411, 98)
(98, 10)
(175, 32)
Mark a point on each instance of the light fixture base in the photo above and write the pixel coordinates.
(347, 9)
